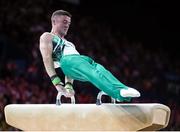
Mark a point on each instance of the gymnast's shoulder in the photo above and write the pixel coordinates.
(46, 36)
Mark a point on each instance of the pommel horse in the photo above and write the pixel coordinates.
(87, 117)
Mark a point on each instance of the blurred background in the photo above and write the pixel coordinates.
(138, 41)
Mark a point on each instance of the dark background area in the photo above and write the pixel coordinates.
(138, 41)
(155, 22)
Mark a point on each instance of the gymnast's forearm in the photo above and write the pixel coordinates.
(46, 52)
(68, 80)
(49, 66)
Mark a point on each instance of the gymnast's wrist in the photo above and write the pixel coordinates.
(68, 85)
(55, 80)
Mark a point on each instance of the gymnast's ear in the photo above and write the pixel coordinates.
(53, 22)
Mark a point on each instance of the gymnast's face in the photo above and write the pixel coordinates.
(61, 24)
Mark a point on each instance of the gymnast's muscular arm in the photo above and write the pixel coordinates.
(46, 49)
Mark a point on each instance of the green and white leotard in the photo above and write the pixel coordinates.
(83, 68)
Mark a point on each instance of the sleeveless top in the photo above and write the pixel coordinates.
(62, 47)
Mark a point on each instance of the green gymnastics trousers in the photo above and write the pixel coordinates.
(83, 68)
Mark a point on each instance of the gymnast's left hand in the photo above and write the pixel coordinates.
(69, 90)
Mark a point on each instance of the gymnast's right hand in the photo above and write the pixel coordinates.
(60, 86)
